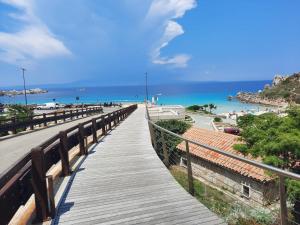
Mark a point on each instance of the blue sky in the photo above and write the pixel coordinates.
(114, 42)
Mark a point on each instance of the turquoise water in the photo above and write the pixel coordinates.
(183, 94)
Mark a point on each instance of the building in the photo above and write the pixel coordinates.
(239, 179)
(166, 112)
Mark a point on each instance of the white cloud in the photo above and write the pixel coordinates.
(177, 60)
(166, 11)
(171, 8)
(33, 41)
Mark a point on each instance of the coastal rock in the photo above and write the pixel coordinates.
(278, 79)
(284, 90)
(21, 92)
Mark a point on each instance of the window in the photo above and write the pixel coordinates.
(246, 191)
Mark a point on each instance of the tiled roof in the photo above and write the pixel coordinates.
(223, 142)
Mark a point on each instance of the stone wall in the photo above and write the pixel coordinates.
(260, 193)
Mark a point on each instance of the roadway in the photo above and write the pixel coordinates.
(14, 148)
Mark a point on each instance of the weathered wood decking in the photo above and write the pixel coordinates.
(123, 181)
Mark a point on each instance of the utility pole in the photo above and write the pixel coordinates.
(146, 86)
(23, 70)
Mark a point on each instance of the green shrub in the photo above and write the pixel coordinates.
(218, 119)
(176, 126)
(193, 108)
(21, 113)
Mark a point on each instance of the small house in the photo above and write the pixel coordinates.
(239, 179)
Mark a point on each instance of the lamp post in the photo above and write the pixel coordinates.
(25, 94)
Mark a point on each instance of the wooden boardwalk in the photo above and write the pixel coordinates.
(123, 181)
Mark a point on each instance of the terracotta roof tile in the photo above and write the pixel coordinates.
(223, 142)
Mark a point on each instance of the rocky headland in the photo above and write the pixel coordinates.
(21, 92)
(284, 90)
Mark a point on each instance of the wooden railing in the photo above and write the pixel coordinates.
(28, 176)
(29, 122)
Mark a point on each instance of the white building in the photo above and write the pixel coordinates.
(166, 112)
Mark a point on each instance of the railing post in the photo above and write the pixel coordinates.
(44, 118)
(71, 114)
(103, 126)
(283, 207)
(51, 197)
(31, 122)
(118, 116)
(14, 122)
(109, 121)
(115, 119)
(82, 112)
(64, 154)
(189, 169)
(77, 113)
(81, 139)
(55, 117)
(39, 184)
(64, 115)
(94, 129)
(165, 149)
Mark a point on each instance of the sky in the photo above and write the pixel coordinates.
(114, 42)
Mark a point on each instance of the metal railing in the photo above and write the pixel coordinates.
(28, 175)
(14, 124)
(159, 139)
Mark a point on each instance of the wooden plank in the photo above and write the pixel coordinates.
(124, 182)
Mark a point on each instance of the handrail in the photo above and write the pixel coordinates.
(28, 175)
(49, 113)
(282, 174)
(31, 121)
(272, 169)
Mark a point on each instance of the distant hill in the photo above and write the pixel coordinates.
(284, 90)
(284, 87)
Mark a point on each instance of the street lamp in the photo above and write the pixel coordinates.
(25, 94)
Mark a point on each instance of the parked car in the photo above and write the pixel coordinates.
(232, 130)
(50, 105)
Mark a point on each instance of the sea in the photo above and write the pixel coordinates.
(185, 93)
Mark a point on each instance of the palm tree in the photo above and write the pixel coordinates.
(211, 107)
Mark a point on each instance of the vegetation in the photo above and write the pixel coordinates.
(218, 119)
(277, 141)
(176, 126)
(222, 204)
(211, 107)
(2, 120)
(20, 112)
(207, 108)
(288, 89)
(194, 108)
